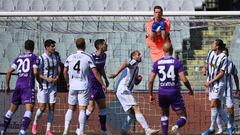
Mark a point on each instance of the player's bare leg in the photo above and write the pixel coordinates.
(82, 120)
(140, 118)
(68, 118)
(103, 116)
(126, 125)
(51, 108)
(39, 112)
(180, 122)
(8, 116)
(90, 108)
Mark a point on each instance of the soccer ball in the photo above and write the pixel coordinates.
(138, 79)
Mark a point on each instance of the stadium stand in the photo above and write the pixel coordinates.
(180, 29)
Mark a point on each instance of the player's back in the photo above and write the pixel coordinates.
(79, 65)
(230, 70)
(167, 69)
(128, 75)
(24, 64)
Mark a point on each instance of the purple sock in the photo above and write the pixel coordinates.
(181, 121)
(164, 123)
(102, 119)
(25, 123)
(6, 123)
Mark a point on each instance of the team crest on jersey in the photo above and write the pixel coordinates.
(50, 68)
(214, 65)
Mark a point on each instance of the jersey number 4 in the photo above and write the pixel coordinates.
(168, 74)
(77, 66)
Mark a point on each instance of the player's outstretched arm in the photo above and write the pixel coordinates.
(150, 86)
(8, 78)
(186, 82)
(113, 75)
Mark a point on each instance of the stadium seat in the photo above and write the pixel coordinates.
(52, 5)
(60, 26)
(22, 5)
(7, 5)
(75, 27)
(53, 36)
(37, 5)
(45, 2)
(67, 5)
(172, 5)
(187, 5)
(4, 64)
(13, 51)
(142, 5)
(67, 38)
(97, 5)
(176, 40)
(127, 5)
(62, 49)
(198, 4)
(5, 39)
(112, 5)
(2, 50)
(82, 5)
(161, 3)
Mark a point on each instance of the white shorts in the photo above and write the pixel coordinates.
(48, 95)
(79, 97)
(228, 98)
(216, 92)
(126, 98)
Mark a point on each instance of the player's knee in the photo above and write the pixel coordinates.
(42, 108)
(103, 111)
(230, 110)
(90, 108)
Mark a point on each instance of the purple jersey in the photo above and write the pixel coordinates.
(95, 88)
(24, 65)
(167, 69)
(99, 61)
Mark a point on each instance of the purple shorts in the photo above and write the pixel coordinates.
(95, 91)
(23, 95)
(175, 100)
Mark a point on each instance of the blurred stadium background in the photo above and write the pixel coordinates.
(191, 37)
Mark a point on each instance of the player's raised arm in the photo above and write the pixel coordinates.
(123, 66)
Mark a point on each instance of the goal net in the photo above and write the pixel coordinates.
(191, 34)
